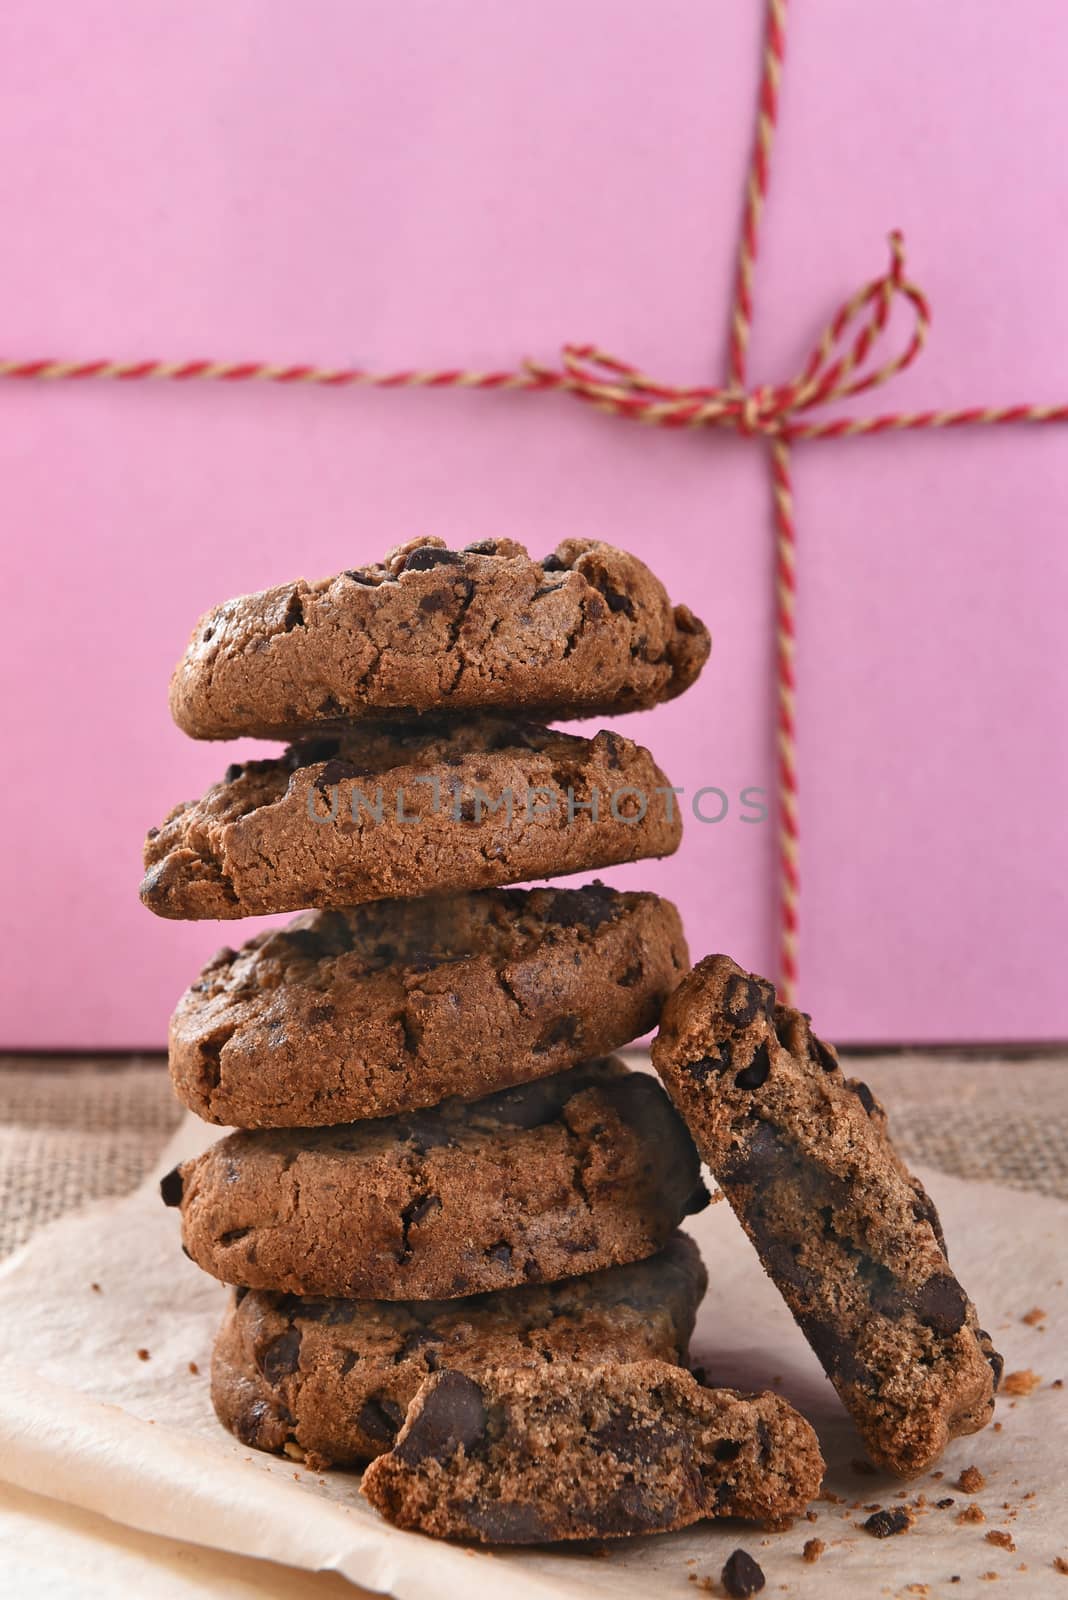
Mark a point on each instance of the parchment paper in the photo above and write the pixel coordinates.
(85, 1420)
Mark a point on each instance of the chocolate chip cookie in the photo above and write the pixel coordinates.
(591, 1168)
(331, 1380)
(850, 1238)
(396, 1005)
(391, 811)
(578, 1452)
(589, 631)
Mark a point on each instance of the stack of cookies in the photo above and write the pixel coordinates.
(441, 1175)
(449, 1214)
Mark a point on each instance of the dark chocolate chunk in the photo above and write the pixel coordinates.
(421, 1209)
(746, 998)
(483, 547)
(452, 1415)
(170, 1187)
(380, 1418)
(428, 556)
(618, 602)
(282, 1356)
(501, 1252)
(508, 1522)
(994, 1357)
(705, 1066)
(697, 1201)
(562, 1030)
(756, 1073)
(942, 1304)
(553, 564)
(836, 1354)
(945, 1503)
(881, 1524)
(233, 772)
(824, 1056)
(727, 1450)
(864, 1095)
(741, 1576)
(628, 1440)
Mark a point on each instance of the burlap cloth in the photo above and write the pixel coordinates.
(77, 1129)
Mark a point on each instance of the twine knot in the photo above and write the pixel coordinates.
(835, 370)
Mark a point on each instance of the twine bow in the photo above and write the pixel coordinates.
(777, 413)
(622, 390)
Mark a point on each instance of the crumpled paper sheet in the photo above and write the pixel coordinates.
(86, 1421)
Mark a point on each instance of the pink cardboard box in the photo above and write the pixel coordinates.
(461, 183)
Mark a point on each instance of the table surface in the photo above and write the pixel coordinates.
(77, 1128)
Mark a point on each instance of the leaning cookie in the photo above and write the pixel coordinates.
(330, 1380)
(396, 1005)
(578, 1452)
(588, 1169)
(589, 631)
(850, 1238)
(397, 810)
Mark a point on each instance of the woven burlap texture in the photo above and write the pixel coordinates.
(83, 1129)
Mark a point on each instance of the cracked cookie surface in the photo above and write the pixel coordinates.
(389, 1007)
(588, 1169)
(395, 810)
(850, 1238)
(331, 1380)
(588, 631)
(578, 1452)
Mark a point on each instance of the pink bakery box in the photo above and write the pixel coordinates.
(457, 183)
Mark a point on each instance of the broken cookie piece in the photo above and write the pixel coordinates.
(533, 1456)
(847, 1234)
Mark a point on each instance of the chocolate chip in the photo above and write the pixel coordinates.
(756, 1073)
(500, 1252)
(509, 1522)
(232, 1235)
(706, 1066)
(380, 1418)
(923, 1210)
(233, 772)
(741, 1576)
(428, 556)
(420, 1340)
(727, 1450)
(323, 1013)
(823, 1055)
(562, 1030)
(696, 1201)
(553, 564)
(628, 1439)
(452, 1415)
(864, 1095)
(294, 617)
(618, 602)
(746, 998)
(348, 1361)
(881, 1524)
(338, 771)
(835, 1352)
(170, 1187)
(359, 575)
(282, 1356)
(994, 1357)
(484, 547)
(763, 1438)
(944, 1504)
(583, 908)
(942, 1304)
(628, 978)
(437, 600)
(764, 1158)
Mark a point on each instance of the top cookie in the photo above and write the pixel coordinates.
(588, 631)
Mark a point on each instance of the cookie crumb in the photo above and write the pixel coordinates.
(707, 1584)
(945, 1502)
(990, 1577)
(885, 1523)
(1021, 1383)
(998, 1537)
(814, 1548)
(96, 1288)
(971, 1481)
(143, 1355)
(194, 1369)
(1034, 1316)
(812, 1516)
(1060, 1565)
(1058, 1383)
(972, 1514)
(741, 1576)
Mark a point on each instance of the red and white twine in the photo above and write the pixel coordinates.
(836, 370)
